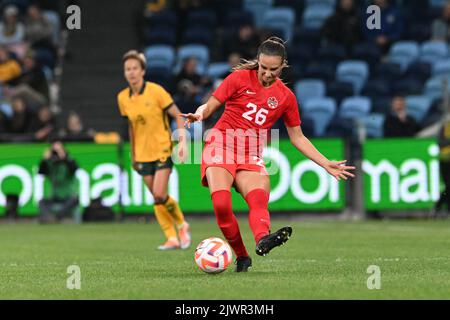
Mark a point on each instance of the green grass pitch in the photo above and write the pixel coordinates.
(322, 260)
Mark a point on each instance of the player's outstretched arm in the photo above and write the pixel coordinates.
(202, 112)
(337, 169)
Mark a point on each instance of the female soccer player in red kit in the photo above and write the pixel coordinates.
(255, 98)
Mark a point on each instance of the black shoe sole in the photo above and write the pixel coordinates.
(274, 240)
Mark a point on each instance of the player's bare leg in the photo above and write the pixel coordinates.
(220, 182)
(255, 188)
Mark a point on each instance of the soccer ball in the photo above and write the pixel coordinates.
(213, 255)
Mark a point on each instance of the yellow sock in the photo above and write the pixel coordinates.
(165, 220)
(175, 211)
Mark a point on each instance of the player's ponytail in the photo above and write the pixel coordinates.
(273, 46)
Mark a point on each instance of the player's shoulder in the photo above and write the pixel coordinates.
(240, 74)
(154, 87)
(123, 93)
(286, 90)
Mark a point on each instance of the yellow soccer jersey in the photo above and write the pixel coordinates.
(147, 114)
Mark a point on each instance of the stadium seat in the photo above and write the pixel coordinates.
(200, 52)
(434, 88)
(437, 3)
(258, 8)
(165, 18)
(160, 56)
(417, 107)
(375, 88)
(301, 53)
(389, 71)
(404, 53)
(327, 3)
(315, 15)
(160, 35)
(281, 18)
(331, 52)
(419, 70)
(339, 90)
(202, 18)
(441, 68)
(408, 86)
(355, 107)
(321, 112)
(431, 51)
(373, 124)
(353, 71)
(197, 35)
(237, 18)
(309, 88)
(367, 51)
(323, 70)
(217, 69)
(381, 104)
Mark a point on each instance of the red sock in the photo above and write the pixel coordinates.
(258, 217)
(227, 221)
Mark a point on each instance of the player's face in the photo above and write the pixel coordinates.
(269, 69)
(133, 71)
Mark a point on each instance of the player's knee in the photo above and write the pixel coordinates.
(160, 198)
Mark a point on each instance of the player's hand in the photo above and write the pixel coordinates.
(190, 118)
(339, 170)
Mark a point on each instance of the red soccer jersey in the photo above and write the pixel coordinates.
(249, 105)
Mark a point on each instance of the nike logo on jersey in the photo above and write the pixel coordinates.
(250, 92)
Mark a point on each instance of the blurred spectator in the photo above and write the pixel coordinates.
(9, 68)
(392, 24)
(60, 169)
(74, 129)
(399, 123)
(441, 26)
(21, 116)
(11, 30)
(245, 42)
(344, 26)
(233, 60)
(38, 30)
(188, 82)
(43, 125)
(34, 76)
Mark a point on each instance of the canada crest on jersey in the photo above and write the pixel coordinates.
(272, 103)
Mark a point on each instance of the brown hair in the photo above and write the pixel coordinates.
(273, 46)
(134, 54)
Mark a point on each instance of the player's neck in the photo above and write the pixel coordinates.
(136, 88)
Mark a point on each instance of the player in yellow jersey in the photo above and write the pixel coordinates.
(147, 106)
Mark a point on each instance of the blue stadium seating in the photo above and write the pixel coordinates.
(160, 35)
(353, 71)
(339, 90)
(197, 35)
(309, 88)
(160, 56)
(237, 18)
(331, 52)
(258, 8)
(280, 18)
(437, 3)
(321, 111)
(404, 53)
(217, 69)
(165, 18)
(315, 15)
(431, 51)
(367, 51)
(202, 18)
(434, 88)
(325, 3)
(374, 125)
(441, 68)
(418, 106)
(200, 52)
(355, 107)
